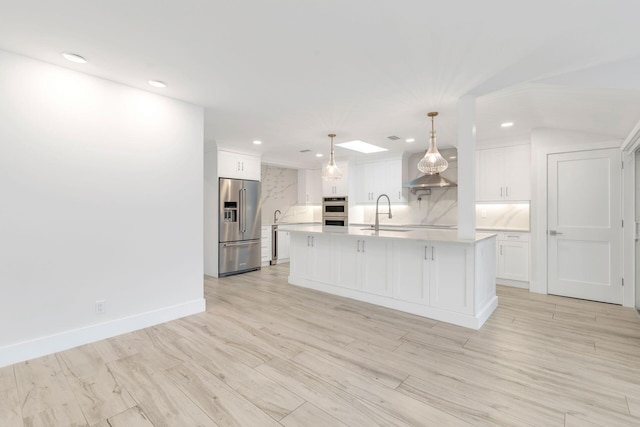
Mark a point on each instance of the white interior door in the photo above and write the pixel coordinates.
(584, 225)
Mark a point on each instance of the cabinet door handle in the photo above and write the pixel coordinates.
(363, 242)
(238, 167)
(500, 249)
(500, 191)
(507, 191)
(425, 252)
(432, 256)
(313, 241)
(511, 236)
(399, 195)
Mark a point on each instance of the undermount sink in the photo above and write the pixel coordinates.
(400, 230)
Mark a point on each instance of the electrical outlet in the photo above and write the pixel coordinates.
(483, 213)
(101, 306)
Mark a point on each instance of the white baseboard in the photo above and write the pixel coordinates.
(49, 344)
(512, 283)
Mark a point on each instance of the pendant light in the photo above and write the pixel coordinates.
(432, 162)
(331, 172)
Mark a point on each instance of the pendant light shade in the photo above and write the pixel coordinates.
(331, 172)
(432, 162)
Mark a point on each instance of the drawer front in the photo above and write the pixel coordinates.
(513, 236)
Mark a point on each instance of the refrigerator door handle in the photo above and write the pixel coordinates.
(244, 243)
(244, 209)
(240, 206)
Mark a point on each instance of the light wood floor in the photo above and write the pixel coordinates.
(267, 354)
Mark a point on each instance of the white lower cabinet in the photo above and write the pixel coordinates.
(364, 264)
(449, 281)
(451, 263)
(265, 245)
(513, 259)
(412, 270)
(424, 272)
(374, 266)
(347, 259)
(311, 256)
(283, 246)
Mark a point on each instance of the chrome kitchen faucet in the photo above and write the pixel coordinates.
(377, 223)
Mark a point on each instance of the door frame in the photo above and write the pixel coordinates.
(564, 142)
(629, 172)
(629, 148)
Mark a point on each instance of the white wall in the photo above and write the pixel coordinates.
(211, 197)
(100, 199)
(543, 143)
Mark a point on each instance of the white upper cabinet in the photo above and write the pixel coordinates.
(309, 187)
(370, 179)
(237, 165)
(383, 176)
(504, 174)
(395, 178)
(339, 187)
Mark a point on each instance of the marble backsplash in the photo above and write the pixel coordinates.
(280, 191)
(441, 208)
(504, 216)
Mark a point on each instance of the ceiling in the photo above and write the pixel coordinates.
(288, 72)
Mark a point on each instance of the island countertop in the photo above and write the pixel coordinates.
(434, 235)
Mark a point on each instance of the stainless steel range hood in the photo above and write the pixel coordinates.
(429, 181)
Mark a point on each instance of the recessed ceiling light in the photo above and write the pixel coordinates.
(361, 146)
(410, 140)
(507, 124)
(257, 142)
(319, 155)
(157, 83)
(74, 58)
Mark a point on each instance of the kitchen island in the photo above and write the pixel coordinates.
(426, 272)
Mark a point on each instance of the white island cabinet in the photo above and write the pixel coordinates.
(430, 273)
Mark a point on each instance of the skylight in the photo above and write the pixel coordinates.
(361, 146)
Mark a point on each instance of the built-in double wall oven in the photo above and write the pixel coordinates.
(335, 211)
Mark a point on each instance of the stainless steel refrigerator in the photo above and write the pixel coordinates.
(239, 226)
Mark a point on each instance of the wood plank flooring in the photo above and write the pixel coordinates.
(266, 353)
